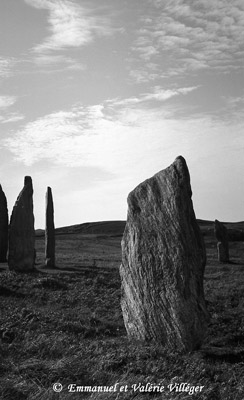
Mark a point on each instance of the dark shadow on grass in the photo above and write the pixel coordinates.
(236, 262)
(50, 282)
(80, 269)
(223, 354)
(5, 292)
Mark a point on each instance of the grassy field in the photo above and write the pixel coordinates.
(65, 326)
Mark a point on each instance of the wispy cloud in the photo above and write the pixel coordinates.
(11, 117)
(64, 131)
(6, 65)
(7, 101)
(116, 137)
(57, 63)
(233, 107)
(70, 137)
(70, 25)
(182, 36)
(7, 116)
(159, 94)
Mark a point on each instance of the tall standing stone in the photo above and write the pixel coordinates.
(3, 226)
(49, 231)
(163, 260)
(21, 254)
(221, 235)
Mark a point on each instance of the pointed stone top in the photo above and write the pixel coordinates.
(181, 166)
(220, 231)
(180, 162)
(180, 159)
(28, 180)
(1, 189)
(218, 224)
(176, 175)
(49, 193)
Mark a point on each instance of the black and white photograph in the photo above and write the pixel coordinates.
(122, 199)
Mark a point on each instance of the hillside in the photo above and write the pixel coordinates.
(111, 228)
(116, 228)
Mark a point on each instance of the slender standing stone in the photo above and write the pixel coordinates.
(3, 226)
(221, 235)
(50, 231)
(21, 255)
(163, 260)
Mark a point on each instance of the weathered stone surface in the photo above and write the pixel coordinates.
(221, 235)
(3, 226)
(163, 260)
(49, 231)
(21, 255)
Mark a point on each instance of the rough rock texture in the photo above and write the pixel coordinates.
(163, 260)
(50, 231)
(21, 255)
(3, 226)
(221, 235)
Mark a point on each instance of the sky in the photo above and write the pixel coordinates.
(98, 95)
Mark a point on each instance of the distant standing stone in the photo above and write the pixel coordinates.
(163, 260)
(221, 235)
(3, 226)
(21, 256)
(50, 231)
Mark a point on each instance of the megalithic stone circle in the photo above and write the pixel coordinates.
(221, 235)
(163, 260)
(50, 230)
(21, 253)
(3, 226)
